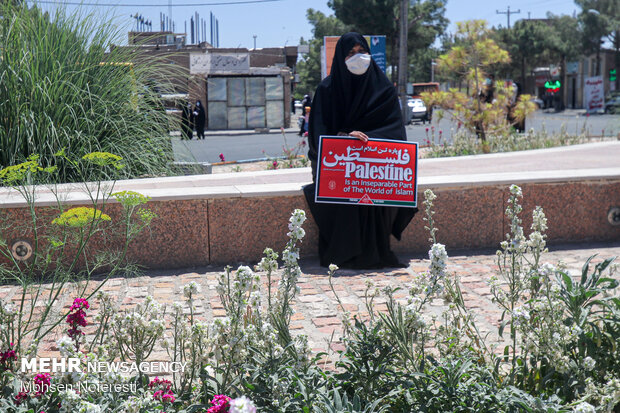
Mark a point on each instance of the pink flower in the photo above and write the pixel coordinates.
(426, 128)
(164, 394)
(222, 157)
(221, 404)
(21, 397)
(165, 397)
(77, 318)
(440, 132)
(8, 355)
(79, 303)
(42, 383)
(160, 382)
(275, 164)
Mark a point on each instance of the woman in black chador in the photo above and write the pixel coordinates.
(200, 119)
(358, 100)
(187, 122)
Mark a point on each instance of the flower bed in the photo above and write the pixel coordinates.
(558, 348)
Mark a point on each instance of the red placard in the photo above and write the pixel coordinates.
(381, 172)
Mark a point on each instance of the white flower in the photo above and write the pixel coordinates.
(290, 257)
(255, 299)
(589, 363)
(65, 346)
(88, 407)
(9, 309)
(69, 397)
(296, 232)
(298, 217)
(333, 268)
(242, 405)
(191, 289)
(438, 257)
(267, 264)
(516, 190)
(429, 195)
(584, 407)
(520, 314)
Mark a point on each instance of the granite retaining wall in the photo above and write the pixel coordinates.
(203, 221)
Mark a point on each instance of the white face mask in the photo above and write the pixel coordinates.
(358, 63)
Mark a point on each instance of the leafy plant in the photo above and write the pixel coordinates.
(64, 85)
(470, 61)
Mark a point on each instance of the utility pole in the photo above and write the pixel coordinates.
(254, 42)
(402, 57)
(508, 13)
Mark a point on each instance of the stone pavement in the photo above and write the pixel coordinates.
(316, 310)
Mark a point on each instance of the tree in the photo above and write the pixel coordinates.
(309, 68)
(562, 46)
(473, 54)
(600, 19)
(527, 43)
(426, 22)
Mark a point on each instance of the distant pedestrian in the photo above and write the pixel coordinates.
(307, 101)
(187, 122)
(200, 119)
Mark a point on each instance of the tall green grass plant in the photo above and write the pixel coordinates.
(64, 86)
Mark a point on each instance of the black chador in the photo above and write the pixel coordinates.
(355, 236)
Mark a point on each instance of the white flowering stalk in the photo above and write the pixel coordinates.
(437, 268)
(230, 336)
(188, 342)
(429, 197)
(8, 316)
(287, 287)
(347, 320)
(103, 319)
(137, 331)
(269, 264)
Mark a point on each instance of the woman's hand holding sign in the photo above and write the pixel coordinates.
(356, 134)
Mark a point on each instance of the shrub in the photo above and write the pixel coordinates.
(62, 85)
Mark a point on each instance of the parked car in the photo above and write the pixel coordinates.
(613, 105)
(298, 105)
(418, 110)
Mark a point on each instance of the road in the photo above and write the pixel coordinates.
(241, 145)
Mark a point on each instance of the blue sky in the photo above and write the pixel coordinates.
(283, 22)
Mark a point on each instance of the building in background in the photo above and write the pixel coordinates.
(240, 88)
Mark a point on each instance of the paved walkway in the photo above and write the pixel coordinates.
(316, 313)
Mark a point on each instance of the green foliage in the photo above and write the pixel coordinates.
(62, 250)
(309, 68)
(464, 143)
(598, 19)
(528, 44)
(485, 106)
(62, 86)
(426, 23)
